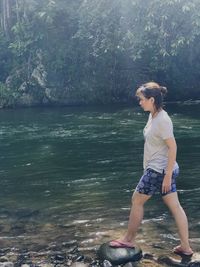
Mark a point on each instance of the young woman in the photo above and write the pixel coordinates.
(160, 169)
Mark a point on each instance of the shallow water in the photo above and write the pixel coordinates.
(69, 173)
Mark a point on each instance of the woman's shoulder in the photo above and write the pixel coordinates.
(164, 115)
(164, 118)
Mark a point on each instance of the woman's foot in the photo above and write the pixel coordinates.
(180, 251)
(121, 244)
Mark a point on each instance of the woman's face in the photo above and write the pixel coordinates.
(146, 103)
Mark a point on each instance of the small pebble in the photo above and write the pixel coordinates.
(6, 264)
(3, 259)
(79, 264)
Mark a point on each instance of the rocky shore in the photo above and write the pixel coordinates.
(68, 254)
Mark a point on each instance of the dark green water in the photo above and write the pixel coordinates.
(68, 174)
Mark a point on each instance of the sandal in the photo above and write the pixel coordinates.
(178, 250)
(121, 244)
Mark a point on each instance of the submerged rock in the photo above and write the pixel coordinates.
(194, 264)
(6, 264)
(185, 261)
(118, 256)
(106, 263)
(79, 264)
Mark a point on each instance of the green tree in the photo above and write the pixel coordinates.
(94, 51)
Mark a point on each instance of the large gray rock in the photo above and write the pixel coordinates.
(118, 255)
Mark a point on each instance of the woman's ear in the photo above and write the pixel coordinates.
(152, 100)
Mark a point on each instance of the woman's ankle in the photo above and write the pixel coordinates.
(129, 239)
(185, 247)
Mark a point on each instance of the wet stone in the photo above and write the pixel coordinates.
(106, 263)
(129, 264)
(6, 264)
(59, 258)
(94, 263)
(22, 259)
(118, 256)
(80, 258)
(72, 250)
(3, 259)
(79, 264)
(184, 262)
(69, 243)
(194, 264)
(148, 256)
(4, 251)
(52, 246)
(69, 262)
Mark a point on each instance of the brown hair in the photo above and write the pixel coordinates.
(153, 89)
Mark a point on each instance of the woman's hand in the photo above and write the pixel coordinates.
(166, 185)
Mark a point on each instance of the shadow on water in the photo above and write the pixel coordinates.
(69, 173)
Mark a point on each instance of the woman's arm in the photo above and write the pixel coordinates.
(171, 144)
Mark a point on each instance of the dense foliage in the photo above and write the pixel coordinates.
(96, 51)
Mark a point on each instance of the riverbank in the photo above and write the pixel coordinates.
(69, 254)
(53, 248)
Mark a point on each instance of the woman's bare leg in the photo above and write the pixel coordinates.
(136, 216)
(172, 201)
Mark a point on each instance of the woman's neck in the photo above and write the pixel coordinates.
(154, 113)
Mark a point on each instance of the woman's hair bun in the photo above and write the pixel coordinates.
(163, 90)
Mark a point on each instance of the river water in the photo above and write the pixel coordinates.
(67, 174)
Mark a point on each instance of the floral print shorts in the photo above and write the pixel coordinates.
(151, 182)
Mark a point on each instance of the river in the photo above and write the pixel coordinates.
(68, 173)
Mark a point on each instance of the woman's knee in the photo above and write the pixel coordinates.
(172, 201)
(139, 199)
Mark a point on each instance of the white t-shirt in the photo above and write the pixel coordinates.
(155, 149)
